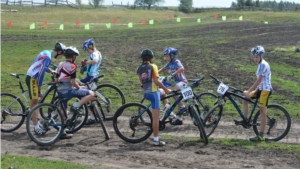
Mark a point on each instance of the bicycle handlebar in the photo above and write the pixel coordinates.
(217, 81)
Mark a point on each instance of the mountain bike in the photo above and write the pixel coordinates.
(56, 119)
(133, 121)
(278, 118)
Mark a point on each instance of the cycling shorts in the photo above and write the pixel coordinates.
(263, 96)
(33, 89)
(78, 93)
(154, 98)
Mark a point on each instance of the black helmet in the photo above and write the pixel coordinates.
(147, 52)
(59, 47)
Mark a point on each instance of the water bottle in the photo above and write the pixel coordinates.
(166, 108)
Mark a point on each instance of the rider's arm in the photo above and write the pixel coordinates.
(74, 83)
(178, 71)
(91, 62)
(160, 85)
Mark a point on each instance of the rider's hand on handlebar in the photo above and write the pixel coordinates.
(168, 91)
(169, 77)
(246, 93)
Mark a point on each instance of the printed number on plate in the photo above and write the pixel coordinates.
(222, 88)
(187, 93)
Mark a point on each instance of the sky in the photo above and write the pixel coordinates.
(196, 3)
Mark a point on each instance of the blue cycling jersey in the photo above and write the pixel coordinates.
(40, 65)
(94, 69)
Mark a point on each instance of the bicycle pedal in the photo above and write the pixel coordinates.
(238, 123)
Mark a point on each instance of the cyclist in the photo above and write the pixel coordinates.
(92, 67)
(148, 76)
(66, 74)
(35, 77)
(261, 88)
(177, 71)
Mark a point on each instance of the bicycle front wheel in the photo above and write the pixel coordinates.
(53, 124)
(110, 98)
(278, 123)
(12, 112)
(133, 122)
(198, 122)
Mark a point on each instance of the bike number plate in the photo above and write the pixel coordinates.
(222, 88)
(187, 93)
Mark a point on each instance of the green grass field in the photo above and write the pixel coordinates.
(19, 46)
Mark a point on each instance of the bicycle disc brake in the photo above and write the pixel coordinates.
(4, 114)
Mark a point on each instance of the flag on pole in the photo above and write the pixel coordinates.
(241, 18)
(266, 22)
(44, 23)
(87, 26)
(198, 20)
(178, 19)
(9, 23)
(130, 25)
(32, 26)
(151, 22)
(108, 25)
(215, 16)
(170, 16)
(114, 20)
(224, 18)
(77, 23)
(61, 27)
(143, 22)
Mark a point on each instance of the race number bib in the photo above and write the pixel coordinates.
(222, 88)
(187, 93)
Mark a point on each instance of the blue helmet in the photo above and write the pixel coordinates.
(170, 51)
(258, 51)
(88, 44)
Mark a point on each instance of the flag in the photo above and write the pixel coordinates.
(241, 18)
(108, 25)
(143, 22)
(44, 23)
(178, 19)
(61, 27)
(199, 20)
(151, 22)
(266, 22)
(114, 20)
(215, 15)
(170, 16)
(87, 26)
(130, 25)
(77, 23)
(9, 23)
(32, 26)
(224, 18)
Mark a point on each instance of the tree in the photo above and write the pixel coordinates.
(233, 5)
(148, 3)
(96, 3)
(248, 3)
(257, 4)
(186, 6)
(240, 3)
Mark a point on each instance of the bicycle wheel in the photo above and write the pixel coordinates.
(49, 97)
(99, 119)
(110, 98)
(53, 124)
(209, 113)
(12, 112)
(198, 122)
(80, 118)
(131, 127)
(278, 123)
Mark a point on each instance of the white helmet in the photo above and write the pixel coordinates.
(258, 51)
(71, 51)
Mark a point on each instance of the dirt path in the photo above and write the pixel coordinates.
(88, 146)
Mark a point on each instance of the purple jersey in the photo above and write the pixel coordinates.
(174, 65)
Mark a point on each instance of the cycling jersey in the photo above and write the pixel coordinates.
(174, 65)
(146, 73)
(65, 72)
(94, 69)
(39, 66)
(264, 70)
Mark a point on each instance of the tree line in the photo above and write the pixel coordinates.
(266, 4)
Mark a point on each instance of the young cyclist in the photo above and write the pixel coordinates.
(66, 74)
(93, 67)
(261, 88)
(177, 71)
(35, 77)
(148, 76)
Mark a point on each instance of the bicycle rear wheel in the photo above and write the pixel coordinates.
(111, 98)
(278, 123)
(99, 119)
(130, 126)
(53, 124)
(198, 122)
(12, 112)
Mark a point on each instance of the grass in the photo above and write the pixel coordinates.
(24, 162)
